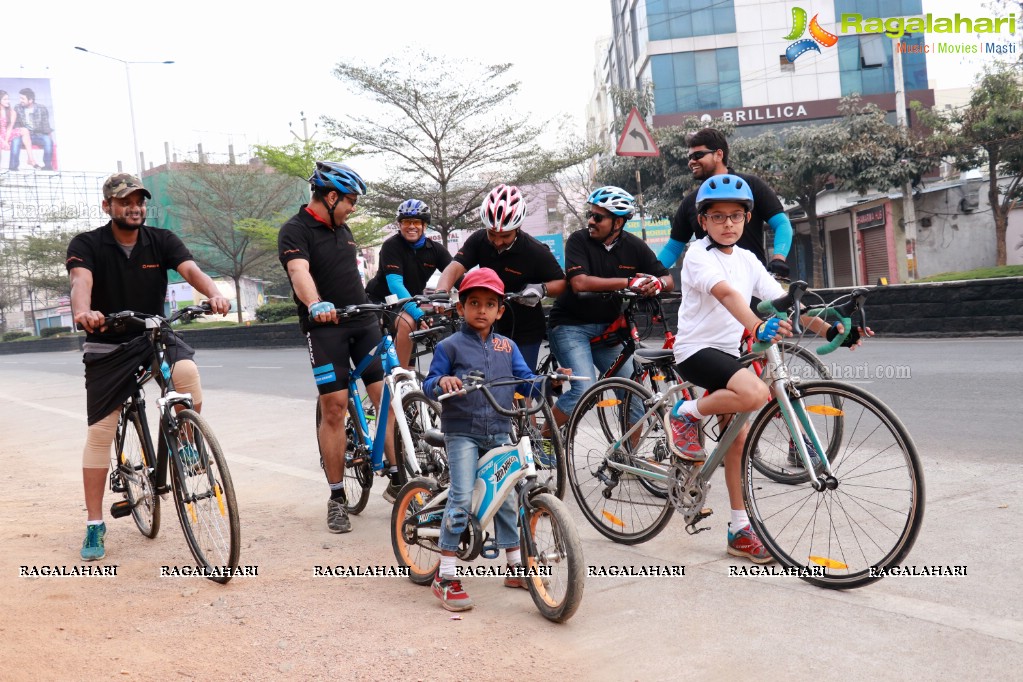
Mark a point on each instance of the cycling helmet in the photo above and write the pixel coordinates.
(614, 199)
(414, 208)
(724, 188)
(331, 175)
(504, 209)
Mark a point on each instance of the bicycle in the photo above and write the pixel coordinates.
(856, 510)
(199, 478)
(415, 413)
(547, 535)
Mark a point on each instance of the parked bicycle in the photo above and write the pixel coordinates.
(551, 550)
(854, 509)
(414, 414)
(199, 478)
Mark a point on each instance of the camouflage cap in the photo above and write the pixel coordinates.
(120, 185)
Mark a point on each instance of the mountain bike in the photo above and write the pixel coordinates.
(414, 414)
(551, 550)
(199, 478)
(855, 509)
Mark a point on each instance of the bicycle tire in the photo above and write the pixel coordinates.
(132, 465)
(615, 502)
(869, 521)
(801, 363)
(419, 555)
(421, 414)
(205, 499)
(548, 451)
(358, 476)
(556, 541)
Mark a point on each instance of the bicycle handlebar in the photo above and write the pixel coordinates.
(121, 321)
(853, 302)
(474, 382)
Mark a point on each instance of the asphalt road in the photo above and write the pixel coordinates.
(960, 399)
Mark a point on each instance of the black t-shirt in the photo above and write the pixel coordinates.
(526, 262)
(765, 206)
(397, 257)
(332, 263)
(584, 256)
(137, 282)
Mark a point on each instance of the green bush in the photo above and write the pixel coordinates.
(276, 311)
(16, 334)
(47, 332)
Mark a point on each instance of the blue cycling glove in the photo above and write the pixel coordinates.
(320, 307)
(768, 329)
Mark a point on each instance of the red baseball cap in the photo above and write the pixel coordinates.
(482, 278)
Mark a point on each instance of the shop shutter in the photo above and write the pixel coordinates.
(841, 258)
(875, 253)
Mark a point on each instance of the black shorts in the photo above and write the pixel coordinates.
(333, 347)
(710, 368)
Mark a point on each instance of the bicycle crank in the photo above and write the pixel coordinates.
(687, 493)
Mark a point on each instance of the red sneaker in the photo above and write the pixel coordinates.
(685, 437)
(451, 595)
(745, 543)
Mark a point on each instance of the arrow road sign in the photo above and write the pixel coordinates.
(636, 140)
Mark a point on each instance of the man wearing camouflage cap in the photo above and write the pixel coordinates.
(123, 266)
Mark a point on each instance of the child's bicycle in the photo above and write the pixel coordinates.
(853, 509)
(199, 477)
(551, 550)
(414, 415)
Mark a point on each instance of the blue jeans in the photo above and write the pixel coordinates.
(571, 346)
(464, 451)
(44, 140)
(530, 353)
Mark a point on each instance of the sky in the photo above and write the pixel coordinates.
(242, 73)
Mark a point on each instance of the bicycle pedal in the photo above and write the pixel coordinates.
(119, 509)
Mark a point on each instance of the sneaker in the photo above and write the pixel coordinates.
(337, 517)
(451, 594)
(92, 547)
(685, 437)
(390, 493)
(511, 580)
(745, 543)
(190, 459)
(794, 459)
(545, 456)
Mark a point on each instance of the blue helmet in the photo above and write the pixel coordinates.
(614, 199)
(414, 208)
(724, 188)
(330, 175)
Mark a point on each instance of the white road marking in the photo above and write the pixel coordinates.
(258, 367)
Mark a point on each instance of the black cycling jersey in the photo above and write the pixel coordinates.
(585, 256)
(397, 257)
(765, 206)
(527, 261)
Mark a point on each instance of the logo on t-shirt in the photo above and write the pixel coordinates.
(150, 266)
(502, 345)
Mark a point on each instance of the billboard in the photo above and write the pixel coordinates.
(28, 139)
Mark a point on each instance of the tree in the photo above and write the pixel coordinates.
(988, 131)
(448, 128)
(213, 201)
(43, 260)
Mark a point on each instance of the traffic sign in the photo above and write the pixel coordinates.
(636, 140)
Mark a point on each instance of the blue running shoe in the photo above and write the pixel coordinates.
(93, 548)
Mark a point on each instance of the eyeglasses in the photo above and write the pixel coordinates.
(696, 156)
(596, 217)
(720, 218)
(411, 222)
(352, 199)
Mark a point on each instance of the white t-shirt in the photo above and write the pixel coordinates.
(702, 321)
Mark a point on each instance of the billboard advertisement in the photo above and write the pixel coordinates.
(28, 139)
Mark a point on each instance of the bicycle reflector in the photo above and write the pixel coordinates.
(613, 519)
(826, 410)
(609, 402)
(829, 563)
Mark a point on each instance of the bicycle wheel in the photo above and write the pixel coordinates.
(204, 497)
(358, 478)
(421, 414)
(558, 558)
(421, 555)
(613, 499)
(868, 519)
(548, 451)
(784, 466)
(132, 466)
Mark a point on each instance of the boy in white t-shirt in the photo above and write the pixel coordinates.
(718, 279)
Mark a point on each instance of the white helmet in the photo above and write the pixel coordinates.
(504, 209)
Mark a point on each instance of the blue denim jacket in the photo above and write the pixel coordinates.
(498, 358)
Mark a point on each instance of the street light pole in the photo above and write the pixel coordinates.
(131, 101)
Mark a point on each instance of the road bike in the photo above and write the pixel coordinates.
(199, 478)
(414, 414)
(551, 550)
(854, 508)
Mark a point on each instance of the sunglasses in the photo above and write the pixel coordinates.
(696, 156)
(596, 217)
